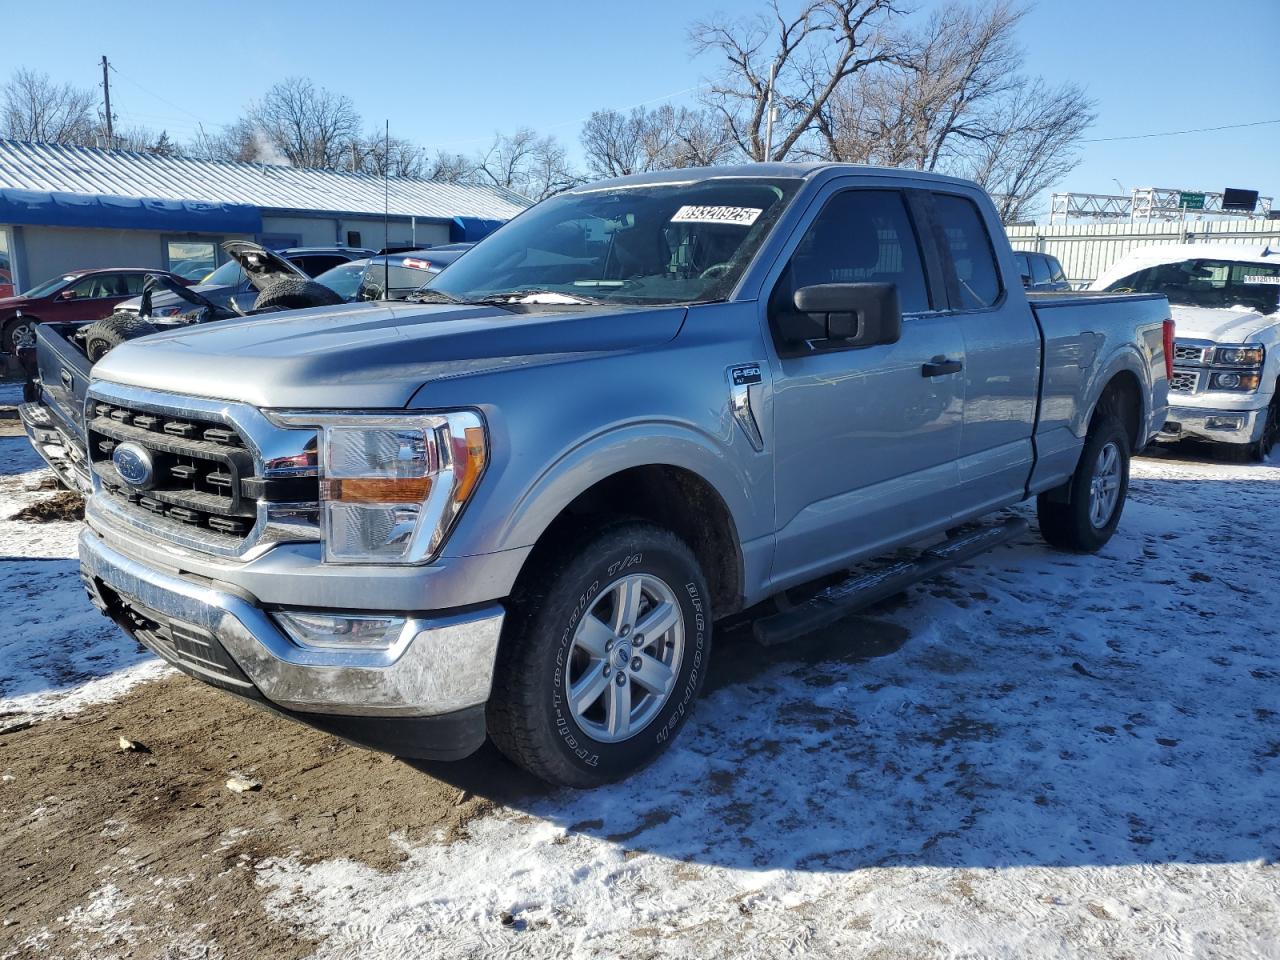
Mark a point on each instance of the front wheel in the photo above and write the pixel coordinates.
(20, 332)
(1083, 513)
(602, 656)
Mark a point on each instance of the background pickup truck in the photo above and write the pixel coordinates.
(640, 407)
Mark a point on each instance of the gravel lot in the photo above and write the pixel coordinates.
(1037, 755)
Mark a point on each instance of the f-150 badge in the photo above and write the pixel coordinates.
(743, 400)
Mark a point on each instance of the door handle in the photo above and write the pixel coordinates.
(66, 379)
(940, 367)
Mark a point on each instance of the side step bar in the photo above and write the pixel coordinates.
(864, 589)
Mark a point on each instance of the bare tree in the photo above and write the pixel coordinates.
(1030, 143)
(617, 144)
(532, 166)
(392, 156)
(920, 108)
(309, 125)
(812, 53)
(35, 108)
(449, 168)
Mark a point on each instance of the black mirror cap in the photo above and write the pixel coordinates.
(858, 314)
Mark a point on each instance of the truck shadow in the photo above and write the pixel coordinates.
(1030, 709)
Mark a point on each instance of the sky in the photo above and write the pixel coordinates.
(449, 75)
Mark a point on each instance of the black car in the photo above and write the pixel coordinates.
(1041, 271)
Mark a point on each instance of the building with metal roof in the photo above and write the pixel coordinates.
(67, 207)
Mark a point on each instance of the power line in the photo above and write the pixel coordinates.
(1178, 133)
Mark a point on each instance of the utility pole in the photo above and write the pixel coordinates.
(106, 98)
(768, 114)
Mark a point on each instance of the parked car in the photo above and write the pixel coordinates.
(75, 295)
(638, 408)
(6, 277)
(1226, 364)
(1040, 271)
(230, 279)
(391, 276)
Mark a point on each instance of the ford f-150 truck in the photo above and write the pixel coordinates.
(640, 407)
(1225, 299)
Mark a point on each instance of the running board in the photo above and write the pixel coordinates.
(864, 589)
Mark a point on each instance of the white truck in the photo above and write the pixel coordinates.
(1226, 359)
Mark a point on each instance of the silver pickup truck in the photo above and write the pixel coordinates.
(641, 407)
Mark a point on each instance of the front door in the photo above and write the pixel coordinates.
(866, 440)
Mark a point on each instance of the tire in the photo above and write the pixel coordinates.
(295, 293)
(103, 336)
(1260, 450)
(1066, 514)
(544, 651)
(18, 331)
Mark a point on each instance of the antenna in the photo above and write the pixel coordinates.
(386, 210)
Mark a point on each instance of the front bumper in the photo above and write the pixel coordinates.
(63, 454)
(1223, 426)
(424, 700)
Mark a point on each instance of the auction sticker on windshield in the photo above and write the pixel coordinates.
(1261, 278)
(743, 216)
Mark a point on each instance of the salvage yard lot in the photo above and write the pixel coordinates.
(1035, 755)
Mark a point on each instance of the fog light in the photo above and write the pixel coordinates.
(1223, 423)
(336, 631)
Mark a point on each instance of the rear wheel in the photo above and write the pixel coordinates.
(1083, 513)
(602, 656)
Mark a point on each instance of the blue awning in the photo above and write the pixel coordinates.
(33, 208)
(471, 229)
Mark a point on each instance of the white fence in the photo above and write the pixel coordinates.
(1086, 249)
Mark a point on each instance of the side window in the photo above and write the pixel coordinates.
(1056, 273)
(971, 251)
(861, 236)
(133, 283)
(315, 264)
(1039, 270)
(88, 289)
(1024, 268)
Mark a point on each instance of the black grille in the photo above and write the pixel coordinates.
(203, 473)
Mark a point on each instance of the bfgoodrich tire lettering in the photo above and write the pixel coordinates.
(532, 716)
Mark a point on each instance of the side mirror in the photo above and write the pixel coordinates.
(67, 295)
(1026, 280)
(857, 314)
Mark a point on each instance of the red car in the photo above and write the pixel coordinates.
(74, 295)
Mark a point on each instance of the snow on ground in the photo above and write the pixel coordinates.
(1039, 755)
(57, 653)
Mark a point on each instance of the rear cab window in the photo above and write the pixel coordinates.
(964, 235)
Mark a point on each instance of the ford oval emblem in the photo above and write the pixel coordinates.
(134, 465)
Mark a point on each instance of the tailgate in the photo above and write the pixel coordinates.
(64, 373)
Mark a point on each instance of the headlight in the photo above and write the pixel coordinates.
(391, 486)
(1242, 382)
(1240, 356)
(166, 311)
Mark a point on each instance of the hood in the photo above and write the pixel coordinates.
(370, 355)
(1220, 324)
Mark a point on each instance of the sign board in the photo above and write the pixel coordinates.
(1191, 201)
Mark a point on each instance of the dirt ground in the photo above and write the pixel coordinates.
(159, 830)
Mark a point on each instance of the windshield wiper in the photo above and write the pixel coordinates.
(428, 295)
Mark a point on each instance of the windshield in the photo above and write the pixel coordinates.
(1209, 283)
(645, 244)
(344, 280)
(46, 288)
(228, 275)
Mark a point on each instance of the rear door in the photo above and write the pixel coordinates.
(866, 439)
(1002, 353)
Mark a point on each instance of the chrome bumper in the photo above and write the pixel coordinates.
(1224, 426)
(62, 453)
(228, 640)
